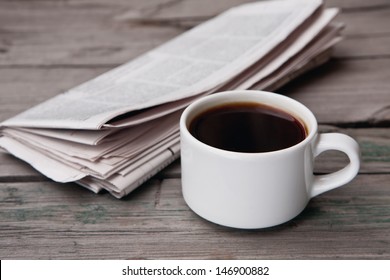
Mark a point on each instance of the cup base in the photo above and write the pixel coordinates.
(246, 225)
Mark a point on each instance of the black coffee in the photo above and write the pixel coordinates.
(247, 127)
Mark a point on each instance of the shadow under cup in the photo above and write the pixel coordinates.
(250, 189)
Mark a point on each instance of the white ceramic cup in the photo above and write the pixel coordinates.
(258, 190)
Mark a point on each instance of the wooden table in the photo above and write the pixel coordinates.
(47, 47)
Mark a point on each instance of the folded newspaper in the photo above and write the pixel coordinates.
(117, 130)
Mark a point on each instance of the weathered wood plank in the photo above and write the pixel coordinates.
(192, 9)
(350, 222)
(346, 91)
(353, 5)
(374, 143)
(47, 33)
(361, 23)
(363, 47)
(111, 33)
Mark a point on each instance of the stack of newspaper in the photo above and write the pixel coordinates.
(119, 129)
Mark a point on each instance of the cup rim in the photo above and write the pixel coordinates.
(306, 117)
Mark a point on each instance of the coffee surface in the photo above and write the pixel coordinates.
(248, 128)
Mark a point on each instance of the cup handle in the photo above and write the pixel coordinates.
(339, 142)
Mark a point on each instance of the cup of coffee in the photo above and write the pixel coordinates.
(247, 158)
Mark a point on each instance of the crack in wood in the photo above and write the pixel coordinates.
(58, 66)
(367, 35)
(366, 8)
(370, 123)
(23, 179)
(157, 196)
(182, 24)
(361, 57)
(380, 116)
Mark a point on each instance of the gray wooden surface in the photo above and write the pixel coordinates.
(47, 47)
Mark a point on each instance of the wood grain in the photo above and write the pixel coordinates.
(111, 33)
(350, 222)
(346, 91)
